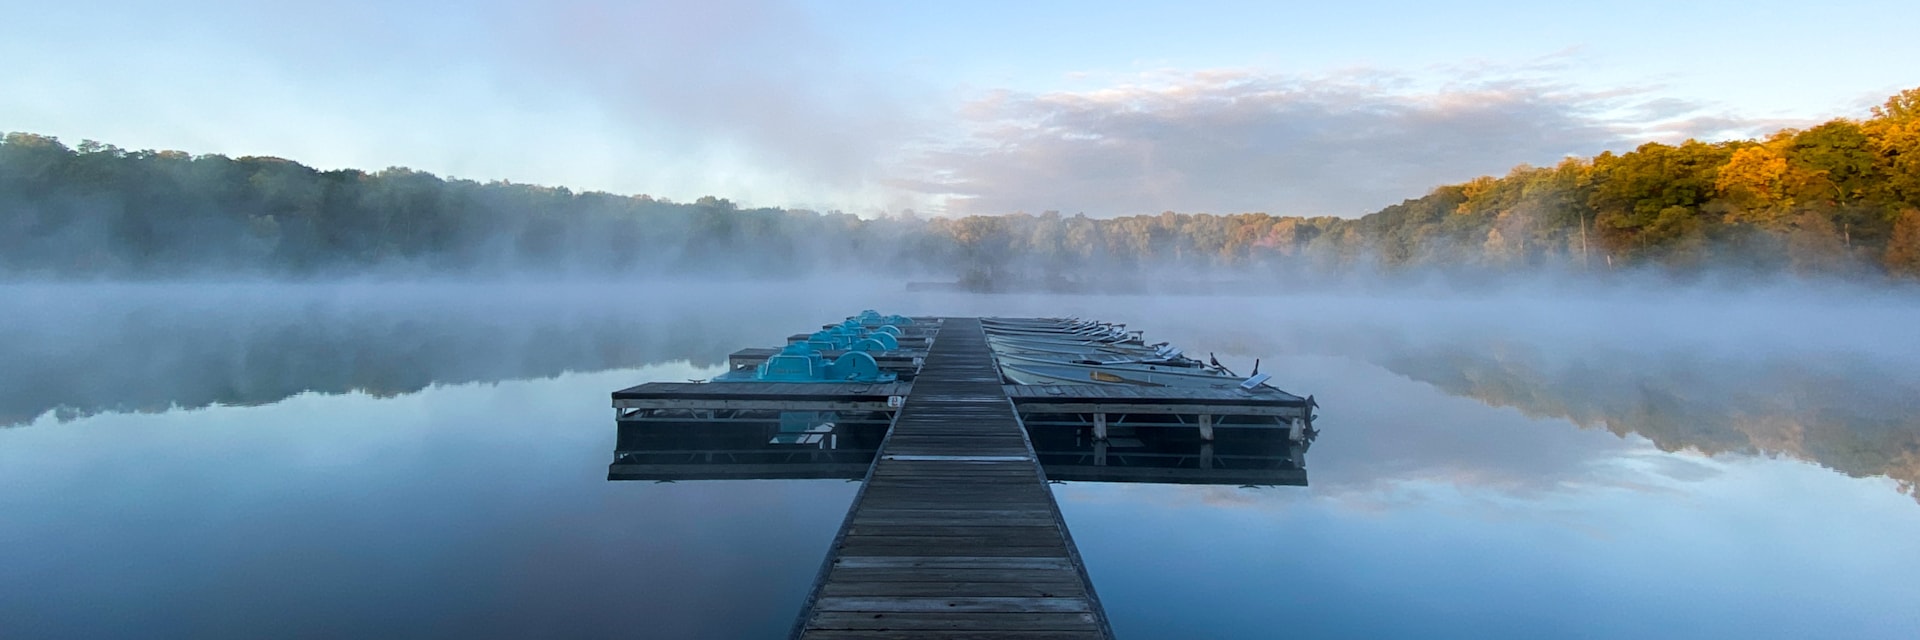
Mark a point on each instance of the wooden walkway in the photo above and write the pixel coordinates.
(955, 533)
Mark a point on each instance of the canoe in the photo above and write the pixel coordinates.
(1088, 334)
(1086, 355)
(1073, 352)
(1075, 374)
(1037, 342)
(1063, 340)
(1135, 364)
(1043, 323)
(1051, 326)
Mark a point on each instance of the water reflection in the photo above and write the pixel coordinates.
(1782, 374)
(804, 445)
(464, 510)
(79, 350)
(1434, 515)
(1818, 384)
(1244, 457)
(1854, 422)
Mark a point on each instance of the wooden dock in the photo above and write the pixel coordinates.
(955, 532)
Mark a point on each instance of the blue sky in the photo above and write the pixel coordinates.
(978, 107)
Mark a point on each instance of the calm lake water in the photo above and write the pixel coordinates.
(407, 460)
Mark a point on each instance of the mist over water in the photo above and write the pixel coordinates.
(76, 350)
(1513, 461)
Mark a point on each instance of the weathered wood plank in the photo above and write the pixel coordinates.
(943, 621)
(844, 587)
(887, 489)
(990, 550)
(990, 538)
(958, 441)
(955, 562)
(1023, 493)
(899, 497)
(896, 497)
(910, 514)
(889, 471)
(947, 634)
(941, 512)
(953, 518)
(961, 481)
(907, 534)
(979, 484)
(965, 529)
(955, 604)
(950, 574)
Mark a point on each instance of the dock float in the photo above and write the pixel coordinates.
(955, 529)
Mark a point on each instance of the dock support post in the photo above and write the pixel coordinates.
(1100, 427)
(1206, 455)
(1099, 453)
(1297, 431)
(1206, 427)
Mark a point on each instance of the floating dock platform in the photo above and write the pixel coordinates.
(955, 532)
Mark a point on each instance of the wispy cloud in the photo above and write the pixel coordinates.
(746, 99)
(770, 103)
(1230, 140)
(752, 79)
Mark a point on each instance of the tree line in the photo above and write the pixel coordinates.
(1842, 197)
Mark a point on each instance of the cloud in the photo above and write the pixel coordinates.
(1231, 141)
(751, 79)
(747, 99)
(766, 102)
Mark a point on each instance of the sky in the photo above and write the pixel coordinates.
(980, 107)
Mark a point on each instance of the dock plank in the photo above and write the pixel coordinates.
(946, 634)
(951, 562)
(1047, 624)
(953, 604)
(1024, 588)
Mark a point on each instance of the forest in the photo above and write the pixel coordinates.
(1840, 198)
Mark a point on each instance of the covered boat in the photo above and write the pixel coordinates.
(799, 362)
(1167, 360)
